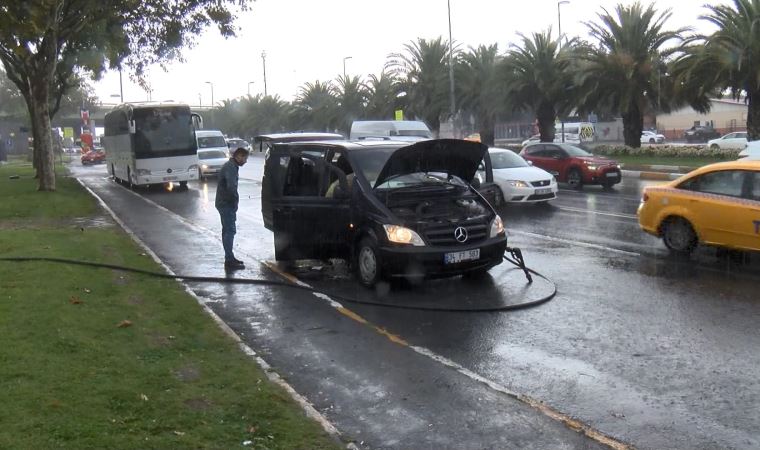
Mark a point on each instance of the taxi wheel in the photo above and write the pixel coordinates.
(575, 179)
(368, 262)
(679, 236)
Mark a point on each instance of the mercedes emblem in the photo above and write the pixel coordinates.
(460, 234)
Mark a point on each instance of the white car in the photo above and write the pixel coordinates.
(210, 161)
(518, 180)
(731, 141)
(650, 137)
(751, 151)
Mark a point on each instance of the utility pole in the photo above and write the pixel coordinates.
(452, 98)
(264, 62)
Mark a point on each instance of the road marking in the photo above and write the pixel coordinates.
(573, 242)
(627, 198)
(600, 213)
(549, 412)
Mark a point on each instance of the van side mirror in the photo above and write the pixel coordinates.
(132, 127)
(197, 121)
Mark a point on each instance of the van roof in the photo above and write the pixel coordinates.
(208, 133)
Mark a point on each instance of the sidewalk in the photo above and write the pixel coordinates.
(654, 172)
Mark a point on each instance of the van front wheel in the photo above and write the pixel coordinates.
(368, 266)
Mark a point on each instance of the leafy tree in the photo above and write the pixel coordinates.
(539, 77)
(726, 60)
(622, 71)
(43, 42)
(382, 96)
(351, 98)
(423, 72)
(317, 107)
(481, 91)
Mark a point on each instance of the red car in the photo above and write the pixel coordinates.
(573, 165)
(94, 156)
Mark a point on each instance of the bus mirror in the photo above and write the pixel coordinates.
(132, 127)
(197, 121)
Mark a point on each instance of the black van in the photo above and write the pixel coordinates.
(393, 209)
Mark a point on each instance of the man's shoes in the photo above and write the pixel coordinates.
(234, 264)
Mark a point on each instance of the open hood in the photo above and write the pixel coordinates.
(453, 156)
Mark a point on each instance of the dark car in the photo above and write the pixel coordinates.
(700, 133)
(392, 209)
(573, 165)
(94, 156)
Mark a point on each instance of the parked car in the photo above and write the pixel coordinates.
(700, 133)
(651, 137)
(573, 165)
(235, 143)
(518, 181)
(716, 204)
(95, 156)
(210, 161)
(751, 151)
(731, 141)
(410, 210)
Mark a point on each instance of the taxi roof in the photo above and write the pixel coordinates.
(740, 164)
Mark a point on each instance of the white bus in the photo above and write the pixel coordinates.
(152, 143)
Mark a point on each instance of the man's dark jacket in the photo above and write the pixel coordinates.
(227, 187)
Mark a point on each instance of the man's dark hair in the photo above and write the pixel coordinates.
(240, 151)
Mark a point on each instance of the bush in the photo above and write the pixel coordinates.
(689, 151)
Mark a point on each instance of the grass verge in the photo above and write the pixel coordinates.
(97, 358)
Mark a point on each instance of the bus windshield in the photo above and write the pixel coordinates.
(163, 132)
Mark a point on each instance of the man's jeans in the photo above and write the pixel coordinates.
(228, 216)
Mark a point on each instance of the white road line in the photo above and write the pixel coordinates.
(600, 213)
(573, 242)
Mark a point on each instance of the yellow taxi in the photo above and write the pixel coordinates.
(718, 204)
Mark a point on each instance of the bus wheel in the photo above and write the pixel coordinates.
(129, 179)
(183, 185)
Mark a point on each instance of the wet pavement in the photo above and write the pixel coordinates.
(652, 350)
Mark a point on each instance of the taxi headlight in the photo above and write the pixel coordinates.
(497, 227)
(403, 235)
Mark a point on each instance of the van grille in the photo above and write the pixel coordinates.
(443, 234)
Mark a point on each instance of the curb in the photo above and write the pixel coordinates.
(644, 175)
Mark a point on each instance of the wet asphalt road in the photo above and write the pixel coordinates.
(650, 350)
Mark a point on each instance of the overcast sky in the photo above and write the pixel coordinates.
(306, 41)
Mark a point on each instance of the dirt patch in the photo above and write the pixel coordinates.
(198, 404)
(120, 278)
(188, 374)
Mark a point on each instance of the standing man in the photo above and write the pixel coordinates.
(227, 204)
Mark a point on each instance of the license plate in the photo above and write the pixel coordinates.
(543, 191)
(170, 178)
(457, 257)
(611, 175)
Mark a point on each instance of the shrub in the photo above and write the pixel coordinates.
(677, 151)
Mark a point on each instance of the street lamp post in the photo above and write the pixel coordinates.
(452, 99)
(344, 65)
(121, 87)
(559, 32)
(264, 63)
(212, 92)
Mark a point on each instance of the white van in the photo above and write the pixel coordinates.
(399, 130)
(212, 152)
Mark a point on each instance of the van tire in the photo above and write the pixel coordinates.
(368, 264)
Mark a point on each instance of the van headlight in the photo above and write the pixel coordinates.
(497, 227)
(403, 235)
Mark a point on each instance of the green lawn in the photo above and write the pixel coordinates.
(95, 358)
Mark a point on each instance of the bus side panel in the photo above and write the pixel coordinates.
(119, 155)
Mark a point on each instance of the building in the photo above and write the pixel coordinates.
(726, 116)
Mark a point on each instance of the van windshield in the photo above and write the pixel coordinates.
(420, 133)
(211, 142)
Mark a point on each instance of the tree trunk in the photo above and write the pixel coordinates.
(633, 125)
(546, 117)
(42, 132)
(753, 116)
(486, 130)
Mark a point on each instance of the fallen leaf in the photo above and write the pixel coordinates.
(179, 433)
(247, 443)
(124, 324)
(143, 397)
(74, 300)
(252, 429)
(87, 291)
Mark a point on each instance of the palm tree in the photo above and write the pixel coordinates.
(622, 72)
(424, 76)
(538, 77)
(316, 106)
(382, 96)
(481, 92)
(351, 97)
(266, 114)
(728, 59)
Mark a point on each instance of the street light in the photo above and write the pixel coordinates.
(249, 87)
(212, 92)
(264, 62)
(559, 19)
(559, 31)
(344, 65)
